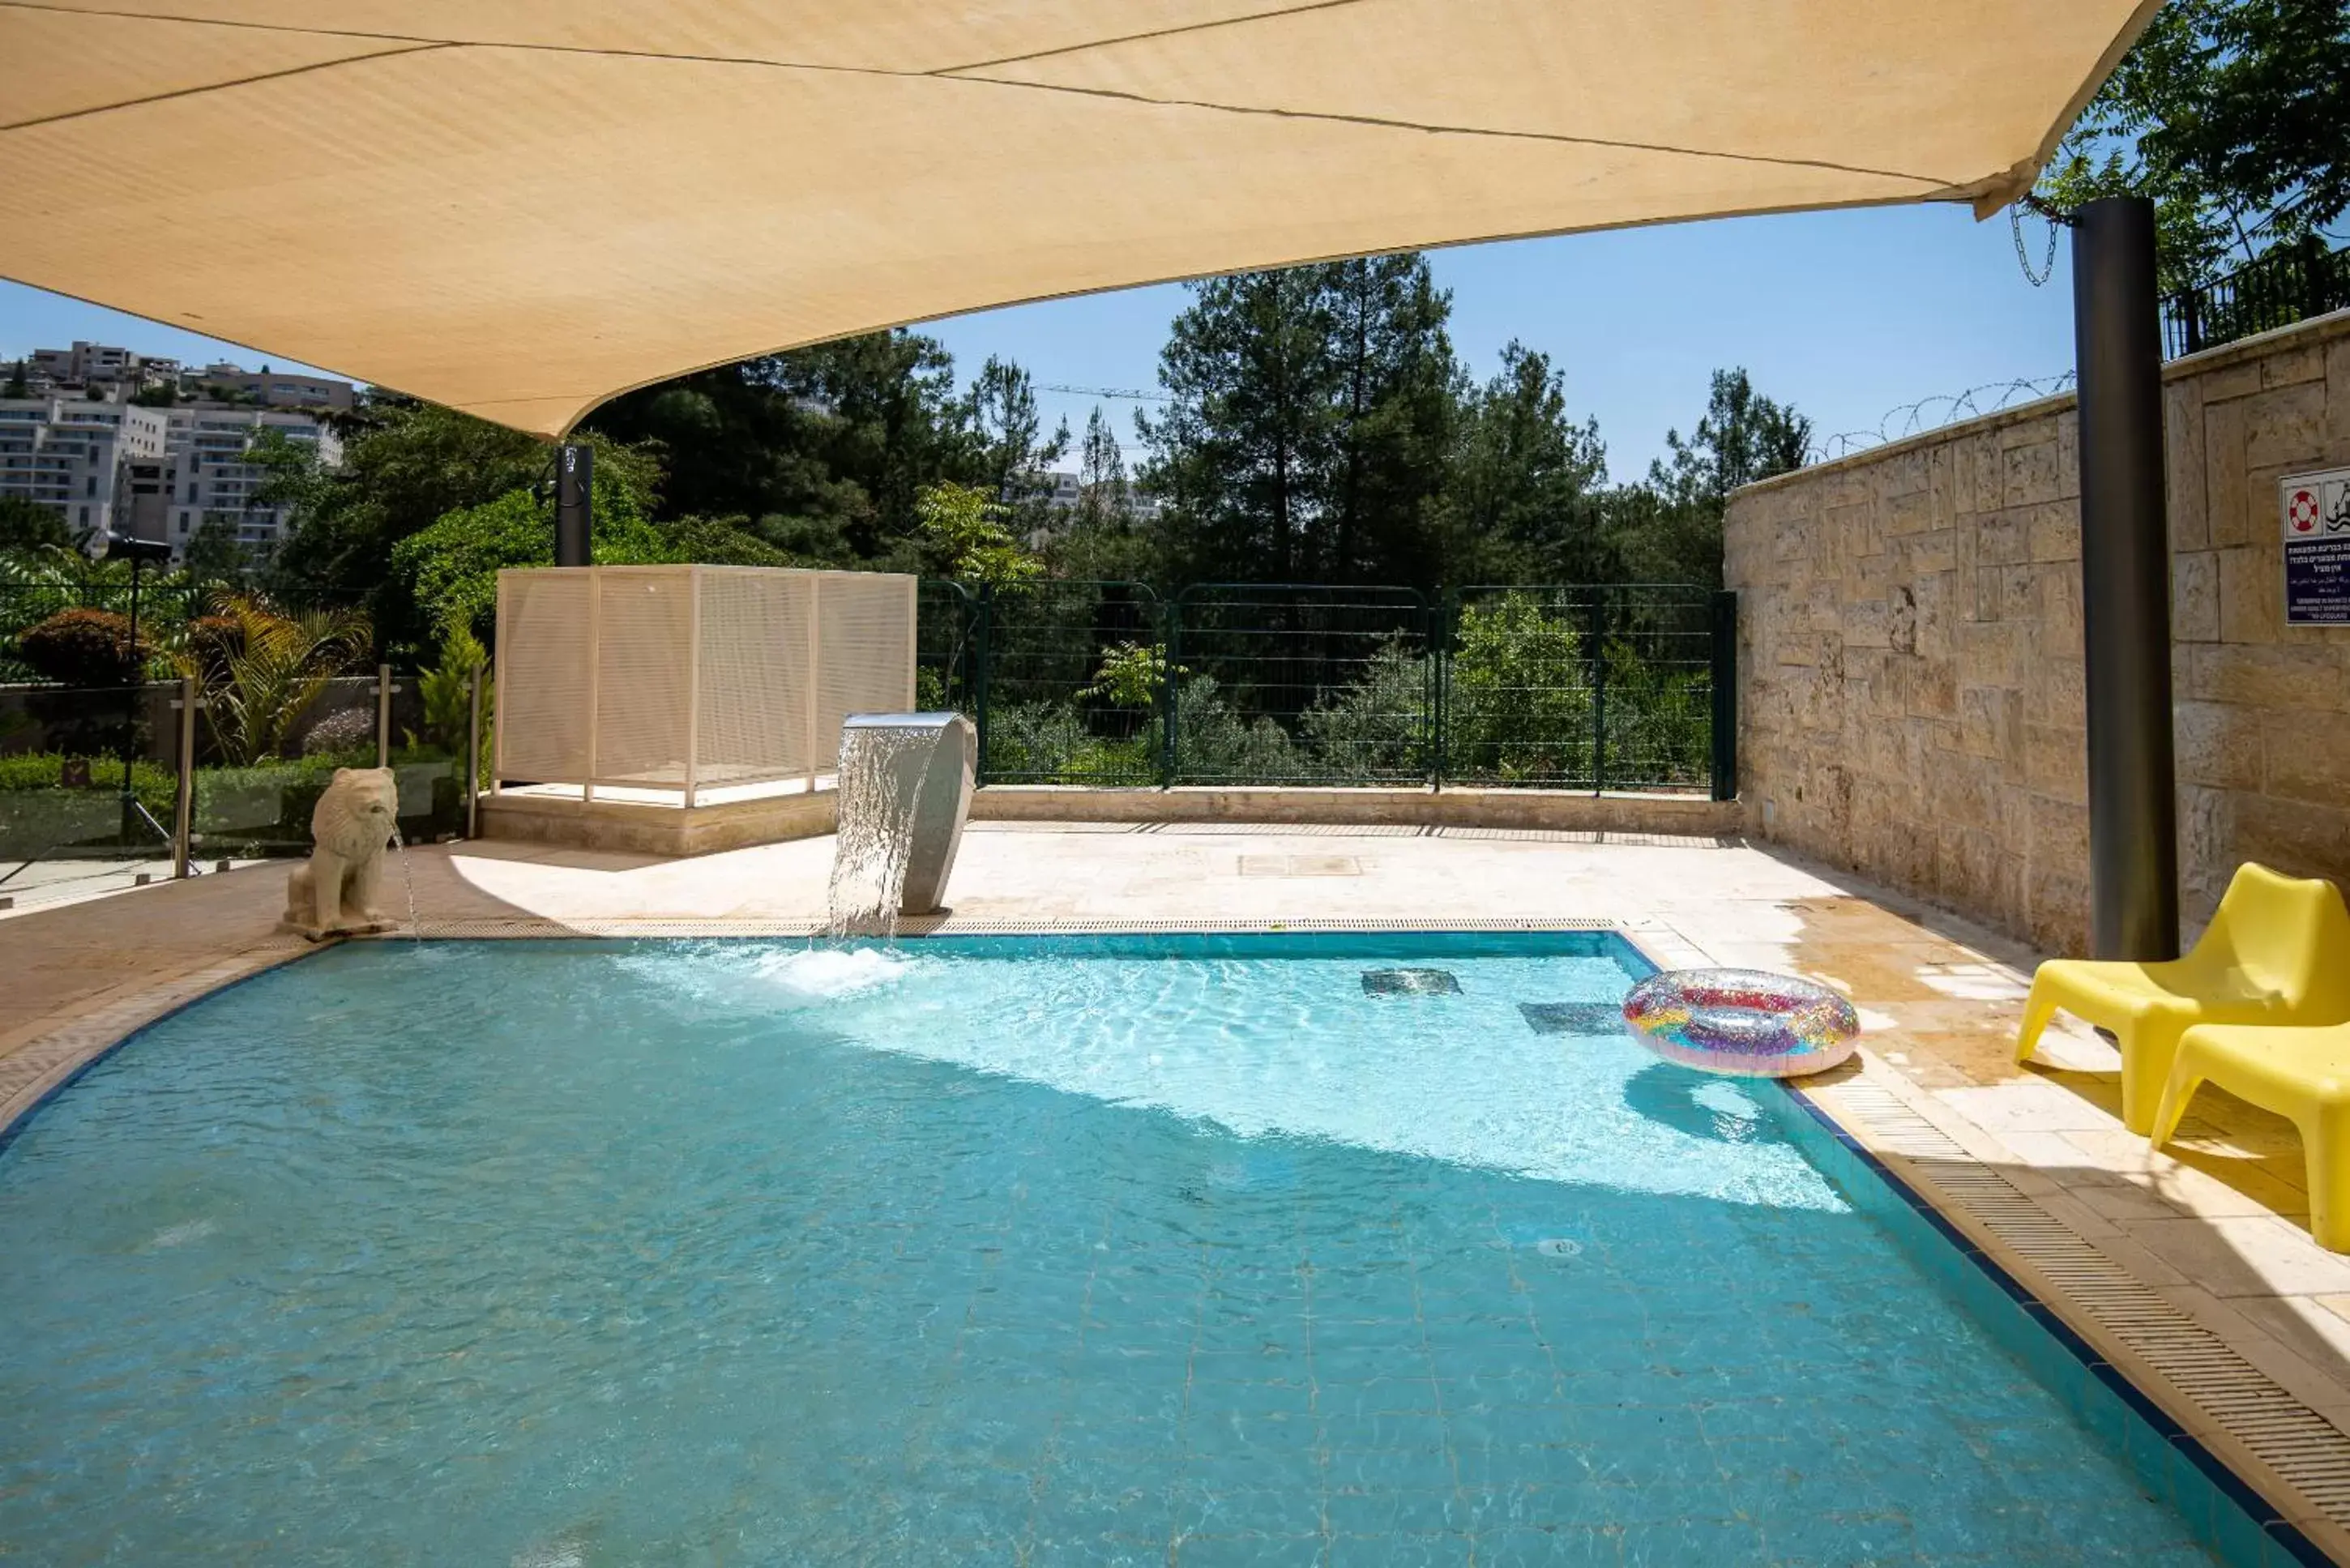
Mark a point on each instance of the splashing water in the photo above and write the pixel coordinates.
(828, 974)
(878, 801)
(408, 880)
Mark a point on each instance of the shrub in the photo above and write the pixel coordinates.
(84, 648)
(1216, 742)
(340, 734)
(1520, 696)
(1376, 727)
(257, 696)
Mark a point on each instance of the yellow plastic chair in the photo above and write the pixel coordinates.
(2277, 952)
(2303, 1074)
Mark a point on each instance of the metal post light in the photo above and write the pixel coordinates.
(137, 551)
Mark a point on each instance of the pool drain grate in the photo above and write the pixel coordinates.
(1409, 982)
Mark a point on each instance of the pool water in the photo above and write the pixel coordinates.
(1075, 1250)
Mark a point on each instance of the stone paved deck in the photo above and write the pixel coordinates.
(2216, 1228)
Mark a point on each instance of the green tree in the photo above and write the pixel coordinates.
(2234, 117)
(18, 386)
(1669, 531)
(1396, 384)
(449, 572)
(821, 450)
(214, 553)
(1244, 450)
(27, 526)
(405, 464)
(1522, 503)
(1098, 538)
(1015, 454)
(961, 530)
(1520, 700)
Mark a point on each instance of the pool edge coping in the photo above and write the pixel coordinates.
(50, 1061)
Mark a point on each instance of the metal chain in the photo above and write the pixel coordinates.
(2023, 257)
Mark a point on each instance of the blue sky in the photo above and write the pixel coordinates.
(1847, 315)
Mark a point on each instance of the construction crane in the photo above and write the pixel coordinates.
(1107, 393)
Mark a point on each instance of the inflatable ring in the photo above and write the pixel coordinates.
(1741, 1022)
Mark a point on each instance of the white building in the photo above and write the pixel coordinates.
(74, 456)
(1067, 490)
(152, 473)
(206, 475)
(271, 389)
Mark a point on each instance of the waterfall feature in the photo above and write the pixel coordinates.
(905, 783)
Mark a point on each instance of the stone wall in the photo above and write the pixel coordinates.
(1909, 649)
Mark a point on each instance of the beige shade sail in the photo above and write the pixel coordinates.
(521, 208)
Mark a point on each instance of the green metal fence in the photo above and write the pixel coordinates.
(1596, 687)
(1586, 687)
(1282, 683)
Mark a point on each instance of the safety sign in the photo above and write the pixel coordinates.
(2316, 509)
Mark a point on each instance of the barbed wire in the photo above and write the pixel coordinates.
(1911, 418)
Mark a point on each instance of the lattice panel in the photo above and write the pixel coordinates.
(753, 721)
(545, 671)
(865, 651)
(611, 675)
(643, 674)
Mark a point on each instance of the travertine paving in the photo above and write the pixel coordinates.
(2216, 1226)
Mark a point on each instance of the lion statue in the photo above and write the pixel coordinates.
(333, 893)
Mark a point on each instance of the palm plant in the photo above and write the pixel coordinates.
(262, 678)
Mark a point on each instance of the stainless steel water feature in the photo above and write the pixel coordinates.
(905, 789)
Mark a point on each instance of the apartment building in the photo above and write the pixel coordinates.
(74, 456)
(272, 388)
(151, 472)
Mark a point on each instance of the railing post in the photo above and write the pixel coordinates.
(473, 747)
(1597, 652)
(383, 715)
(184, 803)
(1725, 694)
(981, 670)
(1169, 757)
(1440, 674)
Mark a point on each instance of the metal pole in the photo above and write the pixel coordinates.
(1725, 694)
(1169, 757)
(1598, 654)
(575, 505)
(383, 715)
(980, 675)
(2124, 584)
(131, 697)
(1444, 614)
(472, 748)
(184, 806)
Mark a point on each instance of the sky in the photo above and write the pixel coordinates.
(1849, 315)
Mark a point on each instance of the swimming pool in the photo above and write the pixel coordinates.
(1288, 1249)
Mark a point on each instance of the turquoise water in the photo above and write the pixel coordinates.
(1075, 1250)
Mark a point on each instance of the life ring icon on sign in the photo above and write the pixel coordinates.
(2302, 512)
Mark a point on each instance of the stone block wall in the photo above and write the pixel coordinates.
(1910, 699)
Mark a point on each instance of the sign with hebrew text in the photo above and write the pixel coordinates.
(2316, 510)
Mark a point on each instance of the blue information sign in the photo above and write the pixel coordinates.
(2316, 508)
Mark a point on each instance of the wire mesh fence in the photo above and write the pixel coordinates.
(92, 777)
(1301, 684)
(1071, 683)
(1605, 687)
(1581, 687)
